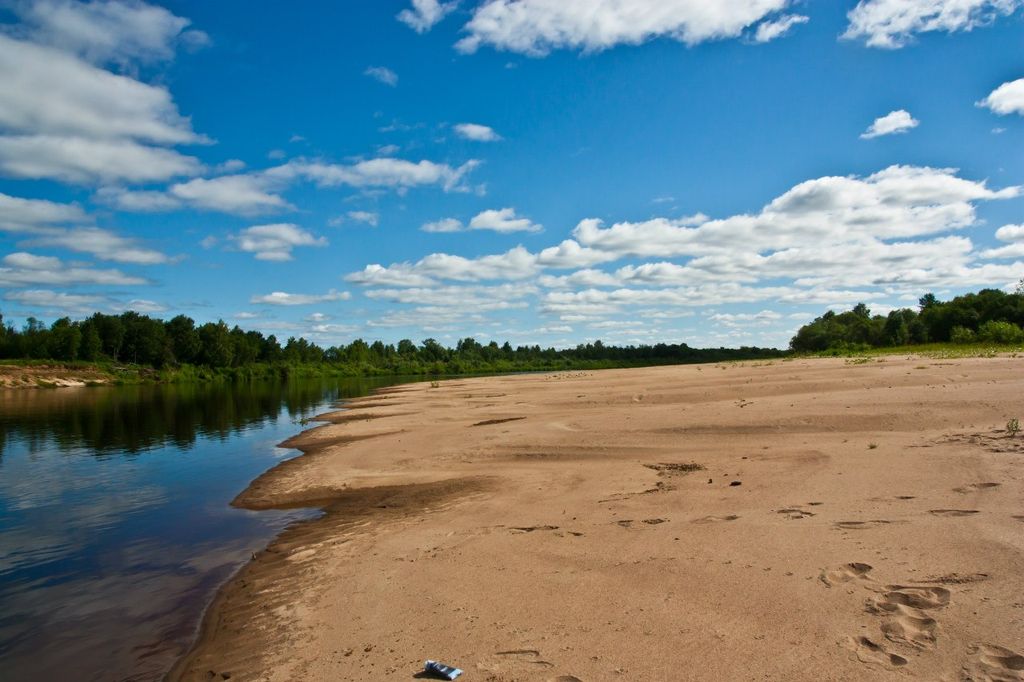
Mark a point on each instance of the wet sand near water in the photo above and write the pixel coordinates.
(789, 520)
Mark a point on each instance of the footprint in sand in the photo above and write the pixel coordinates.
(873, 653)
(975, 487)
(530, 529)
(860, 525)
(795, 513)
(913, 596)
(715, 519)
(991, 663)
(911, 627)
(845, 573)
(953, 512)
(531, 656)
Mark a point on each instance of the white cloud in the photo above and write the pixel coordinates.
(229, 166)
(259, 193)
(424, 14)
(893, 123)
(137, 200)
(1010, 233)
(249, 194)
(108, 30)
(476, 132)
(368, 217)
(25, 269)
(503, 220)
(535, 27)
(381, 172)
(1008, 98)
(443, 225)
(101, 243)
(516, 263)
(60, 302)
(286, 299)
(27, 215)
(82, 160)
(768, 31)
(275, 242)
(63, 118)
(1015, 249)
(891, 24)
(45, 91)
(898, 202)
(382, 74)
(827, 241)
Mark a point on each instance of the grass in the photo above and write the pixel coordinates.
(1013, 427)
(936, 351)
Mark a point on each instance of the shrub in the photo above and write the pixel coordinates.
(961, 335)
(1000, 332)
(1013, 427)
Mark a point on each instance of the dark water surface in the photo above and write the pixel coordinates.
(115, 529)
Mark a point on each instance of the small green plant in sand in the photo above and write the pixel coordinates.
(435, 384)
(1013, 427)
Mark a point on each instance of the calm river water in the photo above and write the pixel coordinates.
(115, 529)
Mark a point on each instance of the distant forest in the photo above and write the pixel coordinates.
(136, 339)
(988, 316)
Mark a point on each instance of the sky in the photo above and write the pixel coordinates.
(540, 171)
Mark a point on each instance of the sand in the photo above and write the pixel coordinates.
(787, 520)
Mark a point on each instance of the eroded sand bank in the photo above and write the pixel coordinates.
(804, 520)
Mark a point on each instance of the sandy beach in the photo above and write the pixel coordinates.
(791, 520)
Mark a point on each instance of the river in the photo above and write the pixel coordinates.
(115, 524)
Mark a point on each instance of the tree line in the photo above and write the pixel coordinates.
(988, 316)
(137, 339)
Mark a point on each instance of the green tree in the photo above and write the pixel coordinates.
(184, 339)
(65, 339)
(217, 350)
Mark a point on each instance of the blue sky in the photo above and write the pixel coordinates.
(540, 171)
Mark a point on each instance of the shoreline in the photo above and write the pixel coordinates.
(368, 502)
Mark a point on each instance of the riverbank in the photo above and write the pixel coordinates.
(800, 520)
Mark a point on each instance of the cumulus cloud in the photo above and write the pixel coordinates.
(424, 14)
(108, 30)
(476, 132)
(517, 263)
(27, 215)
(64, 118)
(893, 123)
(833, 240)
(80, 160)
(382, 74)
(891, 24)
(443, 225)
(1014, 234)
(286, 299)
(368, 217)
(1008, 98)
(382, 172)
(898, 202)
(102, 244)
(259, 193)
(503, 220)
(56, 301)
(536, 27)
(25, 269)
(768, 31)
(275, 242)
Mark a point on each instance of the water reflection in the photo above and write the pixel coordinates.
(114, 523)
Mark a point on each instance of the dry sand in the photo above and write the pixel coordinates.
(846, 522)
